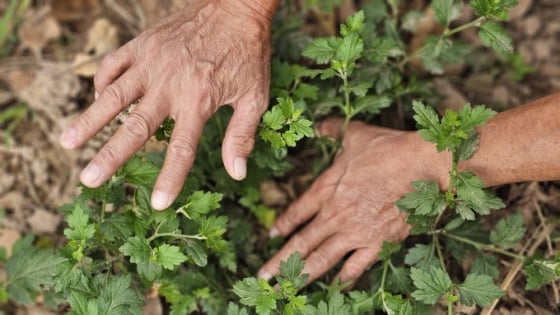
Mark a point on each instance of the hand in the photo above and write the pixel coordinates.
(352, 204)
(209, 54)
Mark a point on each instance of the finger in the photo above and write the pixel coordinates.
(360, 261)
(303, 243)
(114, 99)
(331, 127)
(134, 132)
(112, 66)
(178, 160)
(323, 258)
(240, 135)
(308, 204)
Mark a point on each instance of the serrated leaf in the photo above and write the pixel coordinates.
(274, 118)
(398, 280)
(354, 24)
(371, 104)
(538, 274)
(509, 231)
(349, 49)
(427, 199)
(117, 226)
(213, 228)
(495, 36)
(149, 269)
(443, 10)
(29, 270)
(257, 293)
(421, 256)
(478, 289)
(334, 306)
(388, 249)
(196, 252)
(468, 147)
(79, 227)
(486, 265)
(234, 309)
(360, 301)
(169, 256)
(427, 118)
(470, 190)
(291, 270)
(138, 171)
(81, 305)
(431, 284)
(492, 8)
(471, 117)
(322, 50)
(118, 298)
(137, 248)
(201, 203)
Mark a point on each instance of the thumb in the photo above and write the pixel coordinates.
(240, 135)
(331, 127)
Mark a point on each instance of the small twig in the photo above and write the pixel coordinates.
(514, 271)
(550, 250)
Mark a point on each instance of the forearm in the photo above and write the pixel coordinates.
(520, 144)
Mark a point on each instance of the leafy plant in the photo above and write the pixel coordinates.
(195, 253)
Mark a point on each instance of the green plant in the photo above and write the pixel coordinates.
(195, 253)
(11, 117)
(8, 22)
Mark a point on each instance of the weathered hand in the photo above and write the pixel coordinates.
(351, 205)
(209, 54)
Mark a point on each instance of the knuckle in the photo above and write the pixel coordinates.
(244, 141)
(137, 126)
(352, 270)
(300, 244)
(110, 155)
(181, 150)
(114, 94)
(320, 259)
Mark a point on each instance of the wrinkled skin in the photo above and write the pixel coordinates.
(351, 205)
(184, 68)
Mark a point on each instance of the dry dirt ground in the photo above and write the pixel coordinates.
(60, 45)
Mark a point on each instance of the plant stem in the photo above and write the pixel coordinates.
(463, 27)
(483, 247)
(182, 236)
(435, 239)
(347, 105)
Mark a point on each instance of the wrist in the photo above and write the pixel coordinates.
(261, 9)
(433, 165)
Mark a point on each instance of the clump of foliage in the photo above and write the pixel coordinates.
(200, 254)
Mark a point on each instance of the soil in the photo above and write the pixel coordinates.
(60, 46)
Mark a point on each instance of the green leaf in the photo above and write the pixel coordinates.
(431, 284)
(468, 147)
(257, 293)
(539, 273)
(79, 227)
(470, 191)
(322, 50)
(486, 265)
(492, 8)
(234, 309)
(117, 227)
(478, 289)
(28, 271)
(388, 249)
(201, 203)
(291, 270)
(349, 49)
(137, 248)
(149, 269)
(81, 305)
(196, 252)
(360, 301)
(427, 199)
(421, 256)
(138, 171)
(274, 118)
(213, 228)
(398, 280)
(494, 35)
(354, 24)
(471, 117)
(443, 10)
(382, 49)
(428, 120)
(302, 128)
(118, 298)
(169, 256)
(334, 306)
(509, 231)
(371, 104)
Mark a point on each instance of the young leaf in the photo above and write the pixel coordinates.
(427, 199)
(291, 270)
(169, 256)
(431, 284)
(540, 273)
(81, 305)
(509, 231)
(354, 24)
(468, 147)
(28, 270)
(443, 10)
(470, 190)
(234, 309)
(388, 249)
(79, 227)
(256, 293)
(421, 256)
(274, 118)
(138, 171)
(493, 35)
(137, 248)
(471, 117)
(118, 298)
(427, 118)
(486, 265)
(201, 203)
(398, 280)
(322, 50)
(334, 306)
(478, 289)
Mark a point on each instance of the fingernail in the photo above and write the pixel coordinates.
(273, 233)
(96, 95)
(68, 138)
(264, 275)
(240, 167)
(90, 174)
(160, 200)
